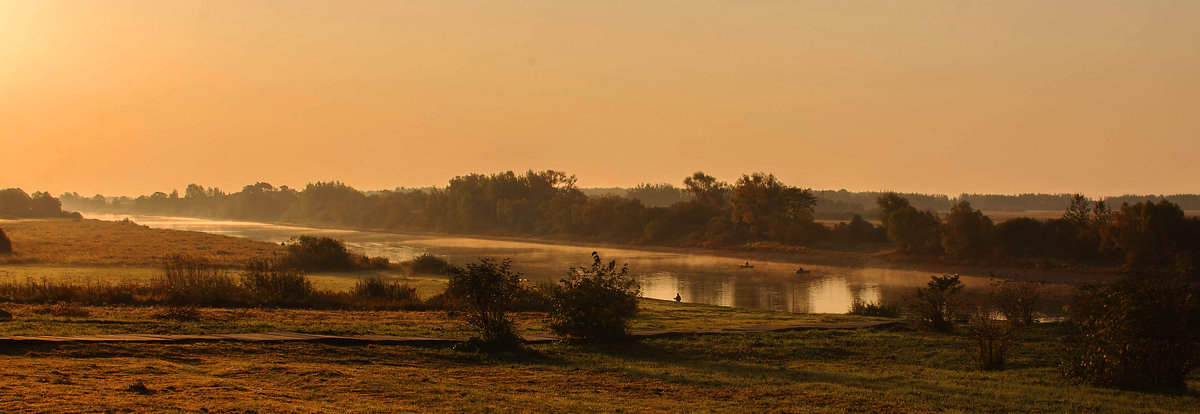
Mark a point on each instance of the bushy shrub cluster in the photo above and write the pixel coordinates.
(1136, 333)
(487, 290)
(594, 304)
(936, 303)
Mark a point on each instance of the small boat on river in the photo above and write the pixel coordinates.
(746, 266)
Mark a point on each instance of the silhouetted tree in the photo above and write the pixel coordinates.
(966, 232)
(890, 203)
(767, 206)
(915, 231)
(707, 190)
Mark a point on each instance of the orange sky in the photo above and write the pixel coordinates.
(130, 97)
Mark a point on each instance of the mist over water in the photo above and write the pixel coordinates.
(697, 278)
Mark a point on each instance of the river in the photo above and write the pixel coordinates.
(697, 278)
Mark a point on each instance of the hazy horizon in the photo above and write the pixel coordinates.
(133, 97)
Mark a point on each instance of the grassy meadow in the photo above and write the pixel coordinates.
(888, 370)
(806, 371)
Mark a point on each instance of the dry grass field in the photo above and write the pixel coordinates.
(114, 243)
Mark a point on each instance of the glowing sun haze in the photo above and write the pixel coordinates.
(131, 97)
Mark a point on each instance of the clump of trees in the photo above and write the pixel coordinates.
(595, 304)
(1137, 333)
(15, 203)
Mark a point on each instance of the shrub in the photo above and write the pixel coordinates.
(992, 338)
(1136, 333)
(5, 243)
(486, 291)
(596, 303)
(271, 282)
(312, 253)
(425, 264)
(377, 288)
(860, 308)
(1017, 301)
(936, 303)
(190, 280)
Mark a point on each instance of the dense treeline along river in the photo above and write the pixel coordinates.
(697, 278)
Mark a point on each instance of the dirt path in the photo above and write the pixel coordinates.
(399, 340)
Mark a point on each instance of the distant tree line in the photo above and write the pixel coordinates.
(704, 212)
(16, 203)
(707, 212)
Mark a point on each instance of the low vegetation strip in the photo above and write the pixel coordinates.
(408, 340)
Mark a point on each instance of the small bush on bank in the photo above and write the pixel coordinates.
(1017, 301)
(936, 303)
(1136, 333)
(595, 304)
(313, 253)
(425, 264)
(486, 290)
(992, 339)
(861, 308)
(271, 282)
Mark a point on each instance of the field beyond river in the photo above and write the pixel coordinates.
(894, 369)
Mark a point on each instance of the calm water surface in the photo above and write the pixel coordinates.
(696, 277)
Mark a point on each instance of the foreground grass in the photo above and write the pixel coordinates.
(812, 371)
(113, 243)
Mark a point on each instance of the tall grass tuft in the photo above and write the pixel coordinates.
(271, 282)
(861, 308)
(191, 280)
(376, 288)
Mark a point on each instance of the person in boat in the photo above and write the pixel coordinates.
(801, 270)
(678, 298)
